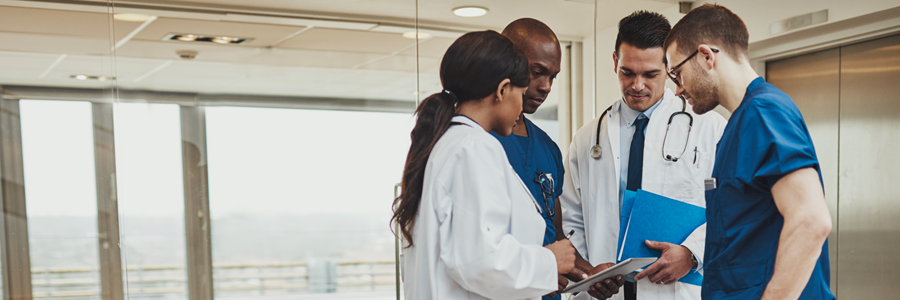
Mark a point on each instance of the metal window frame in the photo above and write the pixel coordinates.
(111, 283)
(196, 203)
(16, 263)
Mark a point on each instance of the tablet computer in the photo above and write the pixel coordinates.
(622, 268)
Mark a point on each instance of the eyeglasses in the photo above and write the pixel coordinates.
(546, 182)
(674, 76)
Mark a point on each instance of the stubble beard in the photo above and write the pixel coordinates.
(704, 95)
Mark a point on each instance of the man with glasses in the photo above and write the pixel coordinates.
(533, 155)
(632, 146)
(768, 222)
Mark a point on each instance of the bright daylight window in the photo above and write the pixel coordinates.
(58, 159)
(151, 199)
(300, 200)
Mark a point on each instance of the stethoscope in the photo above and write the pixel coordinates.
(596, 150)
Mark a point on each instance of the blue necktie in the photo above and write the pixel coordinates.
(636, 158)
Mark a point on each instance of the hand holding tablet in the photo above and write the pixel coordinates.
(622, 268)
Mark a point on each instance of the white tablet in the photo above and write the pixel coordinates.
(622, 268)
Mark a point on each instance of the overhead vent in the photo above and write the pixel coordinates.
(199, 38)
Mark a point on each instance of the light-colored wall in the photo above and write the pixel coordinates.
(608, 90)
(848, 22)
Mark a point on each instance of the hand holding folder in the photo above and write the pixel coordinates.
(657, 218)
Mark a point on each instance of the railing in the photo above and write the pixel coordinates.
(229, 279)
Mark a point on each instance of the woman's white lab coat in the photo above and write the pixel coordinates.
(478, 232)
(590, 196)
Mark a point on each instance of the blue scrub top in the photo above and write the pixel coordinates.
(764, 140)
(538, 154)
(530, 156)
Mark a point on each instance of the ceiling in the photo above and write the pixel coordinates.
(349, 49)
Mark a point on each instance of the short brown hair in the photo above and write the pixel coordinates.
(711, 24)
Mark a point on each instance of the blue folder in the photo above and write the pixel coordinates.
(657, 218)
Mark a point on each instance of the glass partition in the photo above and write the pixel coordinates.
(151, 199)
(293, 120)
(235, 149)
(58, 155)
(56, 241)
(309, 212)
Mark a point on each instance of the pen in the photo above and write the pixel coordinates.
(695, 155)
(569, 235)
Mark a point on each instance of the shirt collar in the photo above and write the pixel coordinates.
(465, 120)
(630, 115)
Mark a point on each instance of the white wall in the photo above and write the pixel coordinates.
(608, 90)
(848, 22)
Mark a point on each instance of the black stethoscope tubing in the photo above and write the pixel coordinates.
(596, 150)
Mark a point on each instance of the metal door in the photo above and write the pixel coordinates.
(813, 82)
(869, 206)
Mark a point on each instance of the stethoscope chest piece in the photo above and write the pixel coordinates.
(596, 151)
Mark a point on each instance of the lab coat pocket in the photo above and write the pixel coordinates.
(698, 169)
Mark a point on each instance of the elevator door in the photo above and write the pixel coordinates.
(813, 82)
(869, 170)
(850, 98)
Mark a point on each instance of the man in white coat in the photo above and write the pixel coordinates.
(626, 152)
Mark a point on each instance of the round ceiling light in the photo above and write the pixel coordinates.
(132, 17)
(470, 11)
(412, 35)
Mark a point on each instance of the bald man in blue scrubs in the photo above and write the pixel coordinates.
(767, 220)
(531, 152)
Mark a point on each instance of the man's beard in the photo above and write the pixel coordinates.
(704, 95)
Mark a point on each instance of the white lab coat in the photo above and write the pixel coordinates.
(591, 190)
(478, 233)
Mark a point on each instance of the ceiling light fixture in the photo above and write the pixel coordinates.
(132, 17)
(187, 38)
(412, 35)
(89, 77)
(225, 40)
(470, 11)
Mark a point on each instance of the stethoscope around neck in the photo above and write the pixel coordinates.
(596, 150)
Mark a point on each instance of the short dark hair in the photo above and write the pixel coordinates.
(711, 24)
(643, 30)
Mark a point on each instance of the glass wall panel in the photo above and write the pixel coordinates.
(151, 199)
(296, 193)
(52, 239)
(58, 152)
(294, 121)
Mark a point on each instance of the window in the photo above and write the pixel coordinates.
(297, 193)
(58, 159)
(151, 199)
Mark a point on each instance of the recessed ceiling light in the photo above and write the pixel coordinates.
(224, 39)
(187, 37)
(132, 17)
(470, 11)
(80, 77)
(412, 35)
(228, 40)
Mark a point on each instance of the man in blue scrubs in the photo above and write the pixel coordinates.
(531, 152)
(767, 220)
